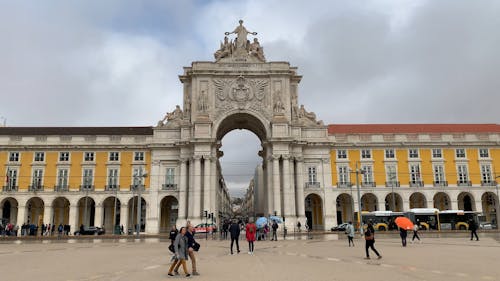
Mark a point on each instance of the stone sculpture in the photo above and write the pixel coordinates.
(171, 116)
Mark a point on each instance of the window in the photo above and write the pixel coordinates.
(112, 178)
(344, 175)
(88, 178)
(415, 174)
(138, 156)
(11, 178)
(437, 153)
(114, 156)
(439, 174)
(389, 153)
(341, 154)
(413, 153)
(366, 154)
(62, 178)
(311, 175)
(37, 178)
(460, 153)
(486, 174)
(138, 178)
(463, 174)
(367, 174)
(391, 174)
(484, 153)
(63, 156)
(170, 177)
(14, 157)
(89, 156)
(39, 156)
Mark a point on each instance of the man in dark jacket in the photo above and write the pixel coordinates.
(234, 230)
(275, 230)
(473, 228)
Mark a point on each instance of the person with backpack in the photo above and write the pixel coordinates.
(250, 230)
(370, 241)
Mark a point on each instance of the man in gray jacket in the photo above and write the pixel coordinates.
(350, 233)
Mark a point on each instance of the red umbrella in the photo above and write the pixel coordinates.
(404, 223)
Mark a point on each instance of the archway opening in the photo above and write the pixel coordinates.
(9, 211)
(442, 201)
(111, 206)
(394, 202)
(418, 200)
(60, 207)
(466, 202)
(132, 214)
(314, 211)
(369, 202)
(168, 213)
(488, 200)
(345, 208)
(86, 211)
(35, 208)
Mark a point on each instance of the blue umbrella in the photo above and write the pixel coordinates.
(276, 219)
(260, 222)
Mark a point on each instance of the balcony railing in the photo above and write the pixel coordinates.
(169, 186)
(440, 183)
(87, 187)
(416, 183)
(369, 184)
(312, 185)
(392, 184)
(344, 184)
(488, 183)
(136, 187)
(61, 188)
(35, 188)
(464, 183)
(10, 188)
(112, 187)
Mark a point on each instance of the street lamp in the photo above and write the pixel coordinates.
(392, 178)
(139, 201)
(360, 215)
(114, 211)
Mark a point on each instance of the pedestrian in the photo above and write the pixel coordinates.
(181, 252)
(298, 226)
(266, 231)
(403, 233)
(59, 230)
(473, 229)
(191, 242)
(121, 229)
(370, 241)
(350, 233)
(275, 230)
(250, 231)
(173, 234)
(225, 228)
(234, 231)
(415, 233)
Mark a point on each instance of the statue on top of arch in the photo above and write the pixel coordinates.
(170, 117)
(308, 117)
(241, 47)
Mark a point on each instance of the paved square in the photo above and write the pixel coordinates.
(317, 259)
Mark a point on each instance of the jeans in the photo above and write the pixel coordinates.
(237, 244)
(370, 244)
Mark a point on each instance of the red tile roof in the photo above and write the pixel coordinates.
(33, 131)
(411, 128)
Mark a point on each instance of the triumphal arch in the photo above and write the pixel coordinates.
(241, 89)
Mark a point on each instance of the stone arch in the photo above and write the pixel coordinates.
(369, 202)
(466, 201)
(418, 200)
(86, 211)
(169, 206)
(314, 211)
(111, 209)
(488, 200)
(35, 210)
(60, 207)
(132, 213)
(394, 203)
(442, 201)
(235, 119)
(345, 208)
(9, 207)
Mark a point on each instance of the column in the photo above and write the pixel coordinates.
(214, 186)
(276, 185)
(380, 204)
(197, 188)
(406, 205)
(98, 215)
(124, 217)
(288, 201)
(453, 205)
(299, 193)
(48, 213)
(206, 184)
(183, 190)
(21, 214)
(152, 218)
(269, 185)
(73, 217)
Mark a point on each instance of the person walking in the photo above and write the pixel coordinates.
(403, 233)
(298, 226)
(191, 242)
(225, 228)
(181, 252)
(275, 230)
(415, 233)
(350, 233)
(234, 231)
(250, 231)
(473, 229)
(173, 234)
(370, 241)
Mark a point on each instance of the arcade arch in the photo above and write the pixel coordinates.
(8, 207)
(35, 211)
(345, 208)
(168, 213)
(488, 200)
(442, 201)
(86, 211)
(314, 211)
(111, 207)
(369, 202)
(132, 213)
(466, 202)
(418, 200)
(60, 207)
(394, 202)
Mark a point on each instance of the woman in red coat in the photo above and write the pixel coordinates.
(250, 230)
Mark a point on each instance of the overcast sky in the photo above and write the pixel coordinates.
(116, 63)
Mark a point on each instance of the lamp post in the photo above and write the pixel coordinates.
(86, 202)
(392, 178)
(139, 201)
(360, 215)
(114, 211)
